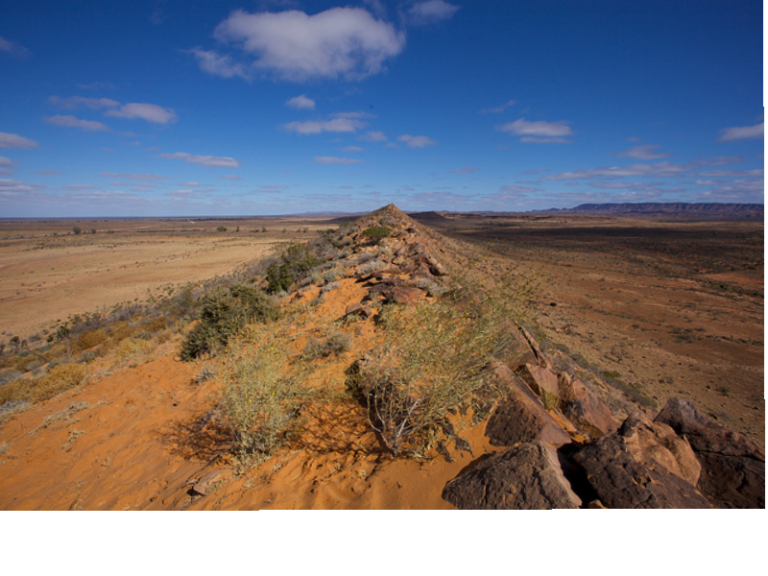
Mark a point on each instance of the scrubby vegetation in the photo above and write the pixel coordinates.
(293, 265)
(226, 311)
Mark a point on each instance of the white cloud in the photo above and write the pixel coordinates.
(521, 189)
(149, 112)
(9, 187)
(74, 102)
(373, 136)
(301, 103)
(69, 121)
(202, 160)
(498, 109)
(340, 42)
(416, 141)
(332, 160)
(6, 162)
(15, 141)
(539, 132)
(352, 149)
(465, 170)
(653, 170)
(645, 152)
(741, 133)
(218, 64)
(431, 11)
(758, 173)
(13, 48)
(134, 176)
(316, 127)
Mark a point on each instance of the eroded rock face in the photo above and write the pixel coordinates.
(525, 477)
(584, 408)
(733, 467)
(521, 417)
(642, 465)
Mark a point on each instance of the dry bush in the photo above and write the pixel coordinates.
(337, 343)
(432, 362)
(262, 396)
(59, 379)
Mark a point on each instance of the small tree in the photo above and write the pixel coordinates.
(76, 230)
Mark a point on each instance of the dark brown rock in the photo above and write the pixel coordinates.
(520, 417)
(525, 477)
(359, 310)
(584, 408)
(641, 465)
(402, 295)
(520, 352)
(733, 467)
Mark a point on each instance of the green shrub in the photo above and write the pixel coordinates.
(376, 233)
(224, 313)
(295, 264)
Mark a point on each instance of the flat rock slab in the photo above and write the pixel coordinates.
(631, 468)
(526, 477)
(732, 466)
(584, 408)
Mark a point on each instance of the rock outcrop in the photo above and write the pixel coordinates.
(526, 477)
(732, 466)
(643, 464)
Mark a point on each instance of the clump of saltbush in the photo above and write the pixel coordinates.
(225, 311)
(294, 264)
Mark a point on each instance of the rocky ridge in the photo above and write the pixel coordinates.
(562, 446)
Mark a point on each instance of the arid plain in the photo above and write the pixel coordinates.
(657, 309)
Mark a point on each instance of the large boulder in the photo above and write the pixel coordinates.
(733, 467)
(520, 417)
(525, 477)
(643, 464)
(583, 407)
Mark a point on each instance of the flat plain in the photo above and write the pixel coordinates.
(660, 307)
(48, 273)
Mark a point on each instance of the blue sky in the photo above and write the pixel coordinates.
(192, 107)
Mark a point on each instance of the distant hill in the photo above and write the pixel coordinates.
(713, 209)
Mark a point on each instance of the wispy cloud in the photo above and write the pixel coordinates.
(498, 109)
(219, 64)
(6, 162)
(644, 152)
(332, 160)
(232, 177)
(13, 49)
(133, 176)
(337, 43)
(416, 141)
(539, 132)
(15, 141)
(430, 12)
(73, 102)
(373, 136)
(149, 112)
(339, 124)
(352, 149)
(69, 121)
(301, 103)
(649, 170)
(221, 161)
(741, 133)
(465, 170)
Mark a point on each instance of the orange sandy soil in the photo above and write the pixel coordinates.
(141, 439)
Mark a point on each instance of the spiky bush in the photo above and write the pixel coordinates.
(294, 264)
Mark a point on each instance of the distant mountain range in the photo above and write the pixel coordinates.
(672, 208)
